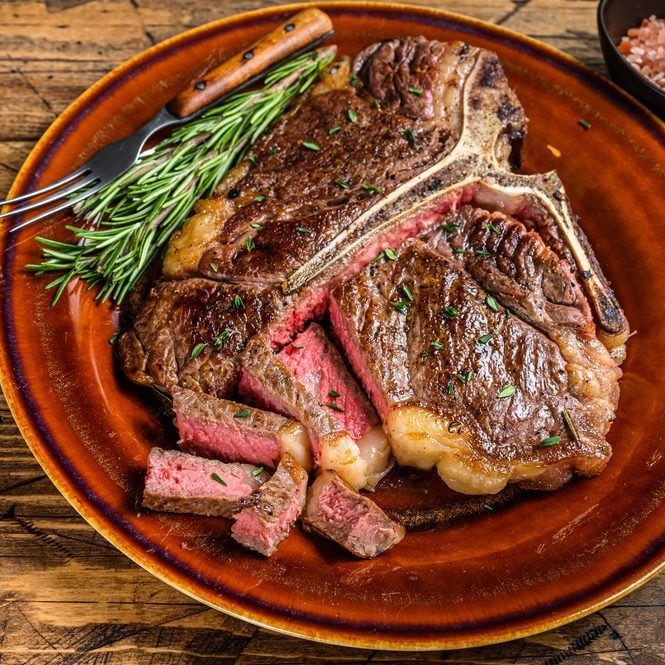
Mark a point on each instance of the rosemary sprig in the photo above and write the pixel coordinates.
(127, 223)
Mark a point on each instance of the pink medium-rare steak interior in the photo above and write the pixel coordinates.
(319, 368)
(349, 519)
(233, 432)
(263, 525)
(182, 483)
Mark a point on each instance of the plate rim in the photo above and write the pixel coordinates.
(92, 514)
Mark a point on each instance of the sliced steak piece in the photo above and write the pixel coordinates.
(269, 383)
(180, 483)
(188, 333)
(349, 519)
(263, 525)
(318, 367)
(234, 432)
(484, 396)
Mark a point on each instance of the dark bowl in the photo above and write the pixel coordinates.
(615, 17)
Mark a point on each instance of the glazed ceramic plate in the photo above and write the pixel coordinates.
(532, 564)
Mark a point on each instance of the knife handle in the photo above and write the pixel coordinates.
(293, 35)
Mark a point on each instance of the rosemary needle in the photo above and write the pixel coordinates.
(125, 225)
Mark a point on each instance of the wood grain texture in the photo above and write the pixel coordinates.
(66, 595)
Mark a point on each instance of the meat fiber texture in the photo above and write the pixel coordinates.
(263, 525)
(335, 511)
(181, 483)
(412, 186)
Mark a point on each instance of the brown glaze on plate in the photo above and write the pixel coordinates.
(533, 562)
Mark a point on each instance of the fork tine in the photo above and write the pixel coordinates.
(63, 206)
(82, 170)
(54, 197)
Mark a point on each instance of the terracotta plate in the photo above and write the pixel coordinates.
(528, 566)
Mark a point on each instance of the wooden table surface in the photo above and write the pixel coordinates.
(66, 595)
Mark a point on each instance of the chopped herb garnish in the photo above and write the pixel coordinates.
(424, 354)
(113, 339)
(311, 145)
(342, 183)
(465, 377)
(487, 507)
(491, 302)
(437, 345)
(483, 339)
(550, 441)
(335, 407)
(351, 115)
(305, 230)
(449, 228)
(390, 253)
(334, 130)
(407, 292)
(508, 391)
(376, 103)
(249, 244)
(454, 427)
(258, 470)
(584, 124)
(353, 79)
(256, 225)
(507, 313)
(238, 302)
(216, 478)
(272, 150)
(260, 198)
(415, 90)
(490, 227)
(399, 305)
(451, 387)
(241, 414)
(218, 341)
(567, 418)
(251, 158)
(450, 312)
(481, 252)
(333, 393)
(197, 350)
(214, 267)
(378, 257)
(371, 188)
(409, 134)
(458, 250)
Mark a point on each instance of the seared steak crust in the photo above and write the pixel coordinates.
(496, 385)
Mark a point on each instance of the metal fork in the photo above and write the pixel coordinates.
(296, 35)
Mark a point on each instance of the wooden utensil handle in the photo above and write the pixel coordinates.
(291, 36)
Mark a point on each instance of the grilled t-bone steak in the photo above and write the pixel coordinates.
(408, 138)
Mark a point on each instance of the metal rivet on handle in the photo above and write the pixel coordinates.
(248, 55)
(200, 85)
(289, 26)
